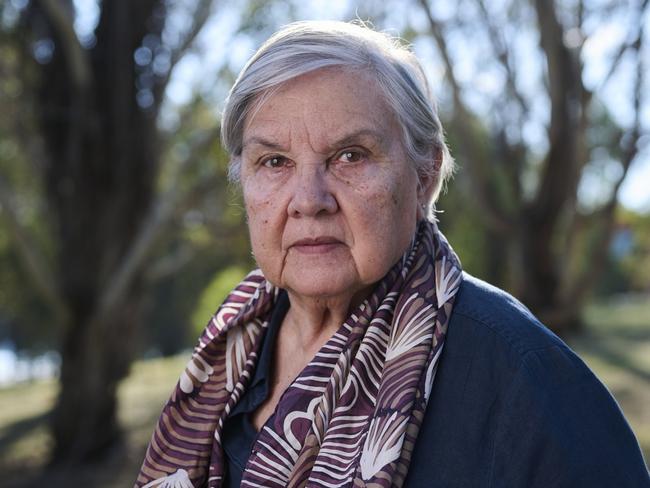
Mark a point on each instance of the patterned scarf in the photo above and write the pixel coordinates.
(351, 417)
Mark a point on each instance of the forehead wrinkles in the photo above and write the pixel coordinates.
(319, 117)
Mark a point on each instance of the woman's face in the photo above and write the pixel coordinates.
(332, 201)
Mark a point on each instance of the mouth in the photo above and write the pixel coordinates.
(316, 245)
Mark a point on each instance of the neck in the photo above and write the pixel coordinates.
(314, 320)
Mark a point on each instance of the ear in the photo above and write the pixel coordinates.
(428, 180)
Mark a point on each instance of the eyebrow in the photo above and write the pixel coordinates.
(261, 141)
(377, 136)
(343, 141)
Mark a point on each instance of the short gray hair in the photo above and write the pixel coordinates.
(303, 47)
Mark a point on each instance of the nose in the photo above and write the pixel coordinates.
(311, 193)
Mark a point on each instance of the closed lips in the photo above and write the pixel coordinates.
(318, 241)
(319, 245)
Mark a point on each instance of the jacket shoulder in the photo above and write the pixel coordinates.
(528, 410)
(487, 309)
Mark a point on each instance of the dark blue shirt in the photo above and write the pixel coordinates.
(238, 430)
(511, 406)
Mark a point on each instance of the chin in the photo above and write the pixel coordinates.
(315, 291)
(315, 287)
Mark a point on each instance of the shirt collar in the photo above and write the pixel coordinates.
(258, 389)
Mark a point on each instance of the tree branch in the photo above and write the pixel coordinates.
(37, 267)
(630, 144)
(568, 111)
(160, 215)
(200, 17)
(623, 48)
(169, 265)
(77, 58)
(200, 143)
(436, 31)
(503, 56)
(463, 122)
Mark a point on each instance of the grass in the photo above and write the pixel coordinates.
(25, 441)
(615, 344)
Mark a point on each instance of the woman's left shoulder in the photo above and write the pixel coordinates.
(504, 337)
(513, 405)
(485, 310)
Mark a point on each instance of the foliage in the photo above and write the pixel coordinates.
(214, 294)
(212, 210)
(110, 181)
(628, 261)
(24, 438)
(21, 308)
(636, 262)
(543, 149)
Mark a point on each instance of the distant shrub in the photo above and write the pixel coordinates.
(215, 293)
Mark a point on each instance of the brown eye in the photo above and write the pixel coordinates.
(274, 162)
(350, 156)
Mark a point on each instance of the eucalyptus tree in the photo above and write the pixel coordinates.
(88, 122)
(545, 104)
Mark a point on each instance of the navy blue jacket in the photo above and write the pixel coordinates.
(511, 406)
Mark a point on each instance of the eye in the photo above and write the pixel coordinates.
(350, 156)
(274, 162)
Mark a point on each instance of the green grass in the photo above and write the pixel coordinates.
(25, 441)
(615, 344)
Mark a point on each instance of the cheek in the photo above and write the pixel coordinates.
(265, 226)
(394, 199)
(257, 201)
(390, 218)
(259, 216)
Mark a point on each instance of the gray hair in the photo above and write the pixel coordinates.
(303, 47)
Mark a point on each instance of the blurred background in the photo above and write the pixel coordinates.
(120, 236)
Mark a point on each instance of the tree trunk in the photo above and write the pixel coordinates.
(540, 286)
(100, 176)
(545, 270)
(95, 358)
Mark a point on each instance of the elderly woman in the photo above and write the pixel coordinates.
(359, 354)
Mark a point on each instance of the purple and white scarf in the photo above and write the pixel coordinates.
(350, 418)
